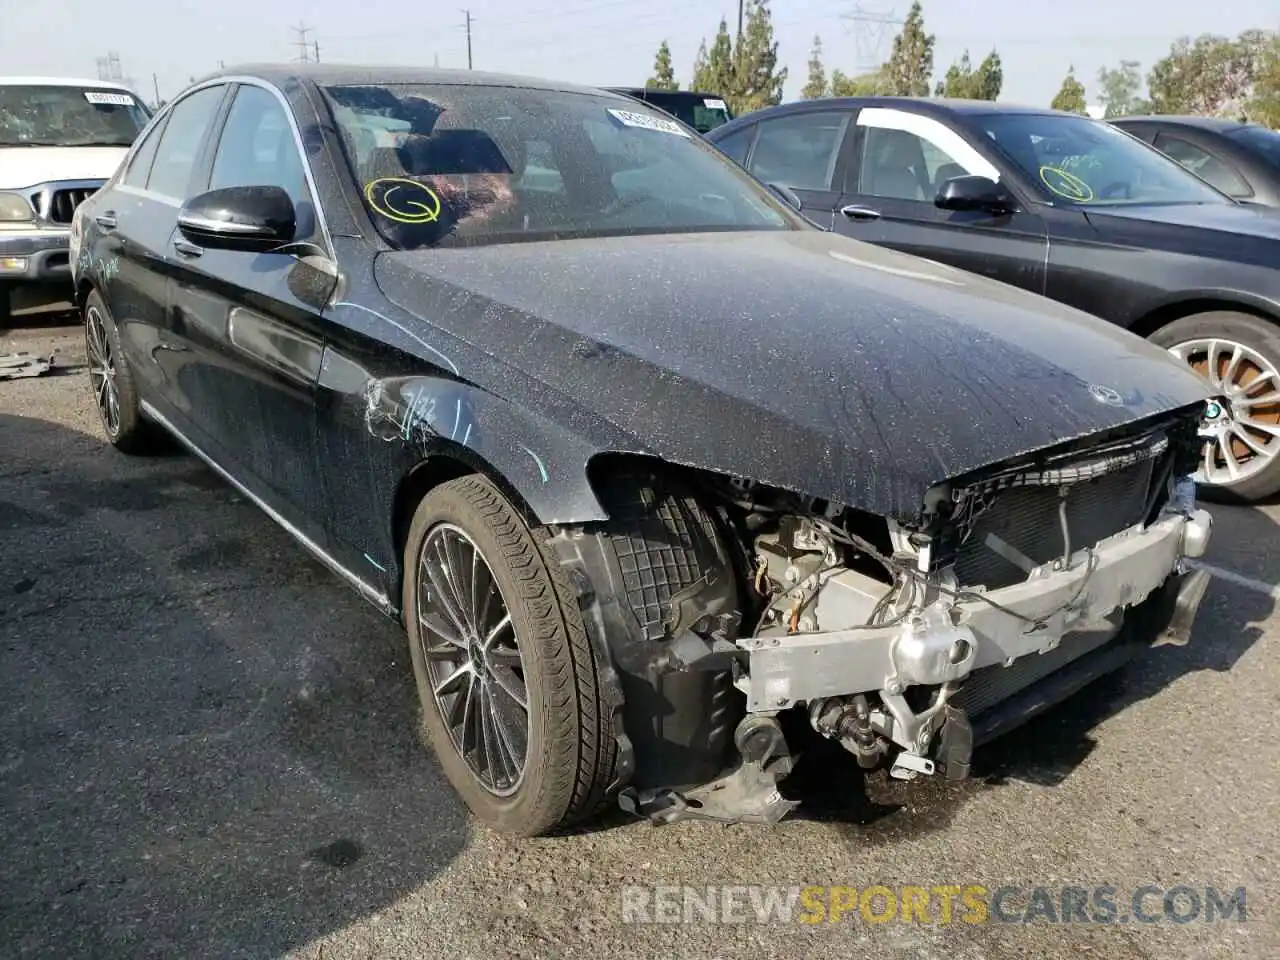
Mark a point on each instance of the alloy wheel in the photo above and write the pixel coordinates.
(102, 371)
(473, 659)
(1244, 439)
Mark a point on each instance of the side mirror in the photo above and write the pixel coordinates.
(975, 192)
(254, 219)
(787, 195)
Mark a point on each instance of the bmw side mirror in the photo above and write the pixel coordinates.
(975, 192)
(255, 219)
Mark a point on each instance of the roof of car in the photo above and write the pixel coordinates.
(326, 74)
(61, 82)
(937, 105)
(1220, 124)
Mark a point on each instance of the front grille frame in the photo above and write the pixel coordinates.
(1012, 523)
(56, 201)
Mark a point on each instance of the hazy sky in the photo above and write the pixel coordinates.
(605, 42)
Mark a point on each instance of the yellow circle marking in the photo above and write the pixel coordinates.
(1068, 185)
(402, 209)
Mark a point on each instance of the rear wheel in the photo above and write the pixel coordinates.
(114, 392)
(506, 675)
(1240, 355)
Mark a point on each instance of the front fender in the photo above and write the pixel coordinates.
(416, 417)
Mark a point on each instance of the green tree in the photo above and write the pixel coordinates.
(910, 66)
(816, 86)
(1263, 105)
(713, 72)
(759, 81)
(1120, 90)
(664, 75)
(1211, 75)
(865, 85)
(1070, 95)
(963, 82)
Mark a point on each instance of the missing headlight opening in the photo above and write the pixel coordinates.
(911, 642)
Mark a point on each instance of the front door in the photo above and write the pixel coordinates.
(900, 162)
(250, 322)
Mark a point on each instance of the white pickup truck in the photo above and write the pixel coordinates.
(60, 140)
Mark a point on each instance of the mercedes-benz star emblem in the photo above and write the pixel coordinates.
(1106, 395)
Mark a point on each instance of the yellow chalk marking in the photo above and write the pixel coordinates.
(1068, 185)
(402, 209)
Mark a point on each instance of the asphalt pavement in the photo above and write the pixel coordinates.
(208, 748)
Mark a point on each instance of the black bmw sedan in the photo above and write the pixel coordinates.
(1064, 206)
(647, 465)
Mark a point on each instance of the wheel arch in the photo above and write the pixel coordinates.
(1188, 303)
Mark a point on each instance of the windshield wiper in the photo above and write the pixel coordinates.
(32, 143)
(94, 143)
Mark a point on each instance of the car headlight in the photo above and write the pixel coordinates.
(14, 208)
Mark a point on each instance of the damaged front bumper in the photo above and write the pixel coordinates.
(863, 678)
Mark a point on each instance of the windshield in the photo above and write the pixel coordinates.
(465, 165)
(1262, 141)
(63, 116)
(701, 112)
(1088, 162)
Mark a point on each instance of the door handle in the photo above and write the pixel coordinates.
(106, 220)
(187, 249)
(855, 212)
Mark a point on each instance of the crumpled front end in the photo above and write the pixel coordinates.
(911, 646)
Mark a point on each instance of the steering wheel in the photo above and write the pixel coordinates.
(1116, 185)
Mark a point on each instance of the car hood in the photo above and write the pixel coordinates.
(22, 167)
(802, 360)
(1253, 221)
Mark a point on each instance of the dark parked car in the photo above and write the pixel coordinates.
(1240, 159)
(702, 111)
(1063, 206)
(659, 478)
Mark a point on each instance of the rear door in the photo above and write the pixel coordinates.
(804, 151)
(899, 162)
(133, 260)
(249, 323)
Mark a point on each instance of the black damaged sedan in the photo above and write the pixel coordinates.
(662, 481)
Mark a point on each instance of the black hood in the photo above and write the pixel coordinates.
(802, 360)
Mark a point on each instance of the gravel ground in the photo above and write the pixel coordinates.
(207, 749)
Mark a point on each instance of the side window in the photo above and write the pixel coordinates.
(140, 165)
(179, 145)
(902, 165)
(800, 151)
(257, 148)
(907, 156)
(737, 144)
(1204, 165)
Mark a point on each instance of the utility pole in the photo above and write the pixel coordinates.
(467, 13)
(317, 49)
(739, 19)
(155, 85)
(302, 43)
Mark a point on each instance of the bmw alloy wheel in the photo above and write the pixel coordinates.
(1244, 438)
(102, 371)
(473, 659)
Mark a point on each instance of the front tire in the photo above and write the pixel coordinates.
(114, 392)
(506, 675)
(1240, 355)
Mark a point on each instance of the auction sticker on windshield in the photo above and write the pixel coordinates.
(645, 122)
(713, 104)
(117, 99)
